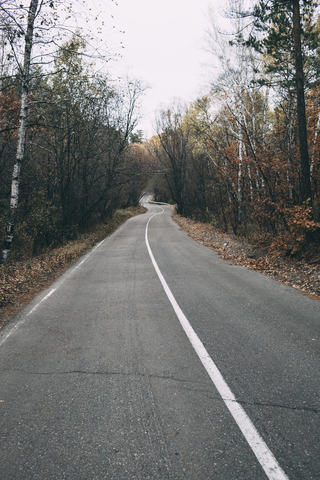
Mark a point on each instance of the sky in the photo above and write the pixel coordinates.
(163, 44)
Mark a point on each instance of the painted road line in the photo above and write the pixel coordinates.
(257, 444)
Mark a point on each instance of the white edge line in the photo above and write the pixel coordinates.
(42, 300)
(5, 337)
(257, 444)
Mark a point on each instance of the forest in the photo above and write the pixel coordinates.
(244, 156)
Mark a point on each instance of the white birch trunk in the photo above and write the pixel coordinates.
(21, 133)
(264, 135)
(265, 108)
(289, 143)
(240, 171)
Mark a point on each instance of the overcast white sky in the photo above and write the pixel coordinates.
(162, 46)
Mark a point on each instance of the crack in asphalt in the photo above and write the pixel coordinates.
(167, 377)
(276, 405)
(104, 373)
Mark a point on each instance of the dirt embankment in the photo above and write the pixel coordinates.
(303, 276)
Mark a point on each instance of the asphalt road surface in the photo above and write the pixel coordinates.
(153, 358)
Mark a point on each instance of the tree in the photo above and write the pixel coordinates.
(174, 154)
(235, 111)
(136, 137)
(306, 192)
(280, 24)
(25, 80)
(80, 141)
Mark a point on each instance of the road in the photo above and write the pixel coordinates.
(153, 358)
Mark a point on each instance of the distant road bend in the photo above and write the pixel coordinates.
(154, 358)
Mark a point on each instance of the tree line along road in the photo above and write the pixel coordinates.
(154, 358)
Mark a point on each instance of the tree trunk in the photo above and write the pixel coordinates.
(301, 109)
(314, 145)
(240, 147)
(25, 77)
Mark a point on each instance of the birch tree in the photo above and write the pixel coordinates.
(12, 24)
(239, 95)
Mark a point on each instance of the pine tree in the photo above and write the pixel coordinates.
(290, 42)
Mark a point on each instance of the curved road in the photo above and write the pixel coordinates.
(153, 358)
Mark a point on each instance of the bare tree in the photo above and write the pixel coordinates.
(174, 153)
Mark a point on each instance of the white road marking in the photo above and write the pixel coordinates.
(257, 444)
(18, 324)
(24, 319)
(42, 300)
